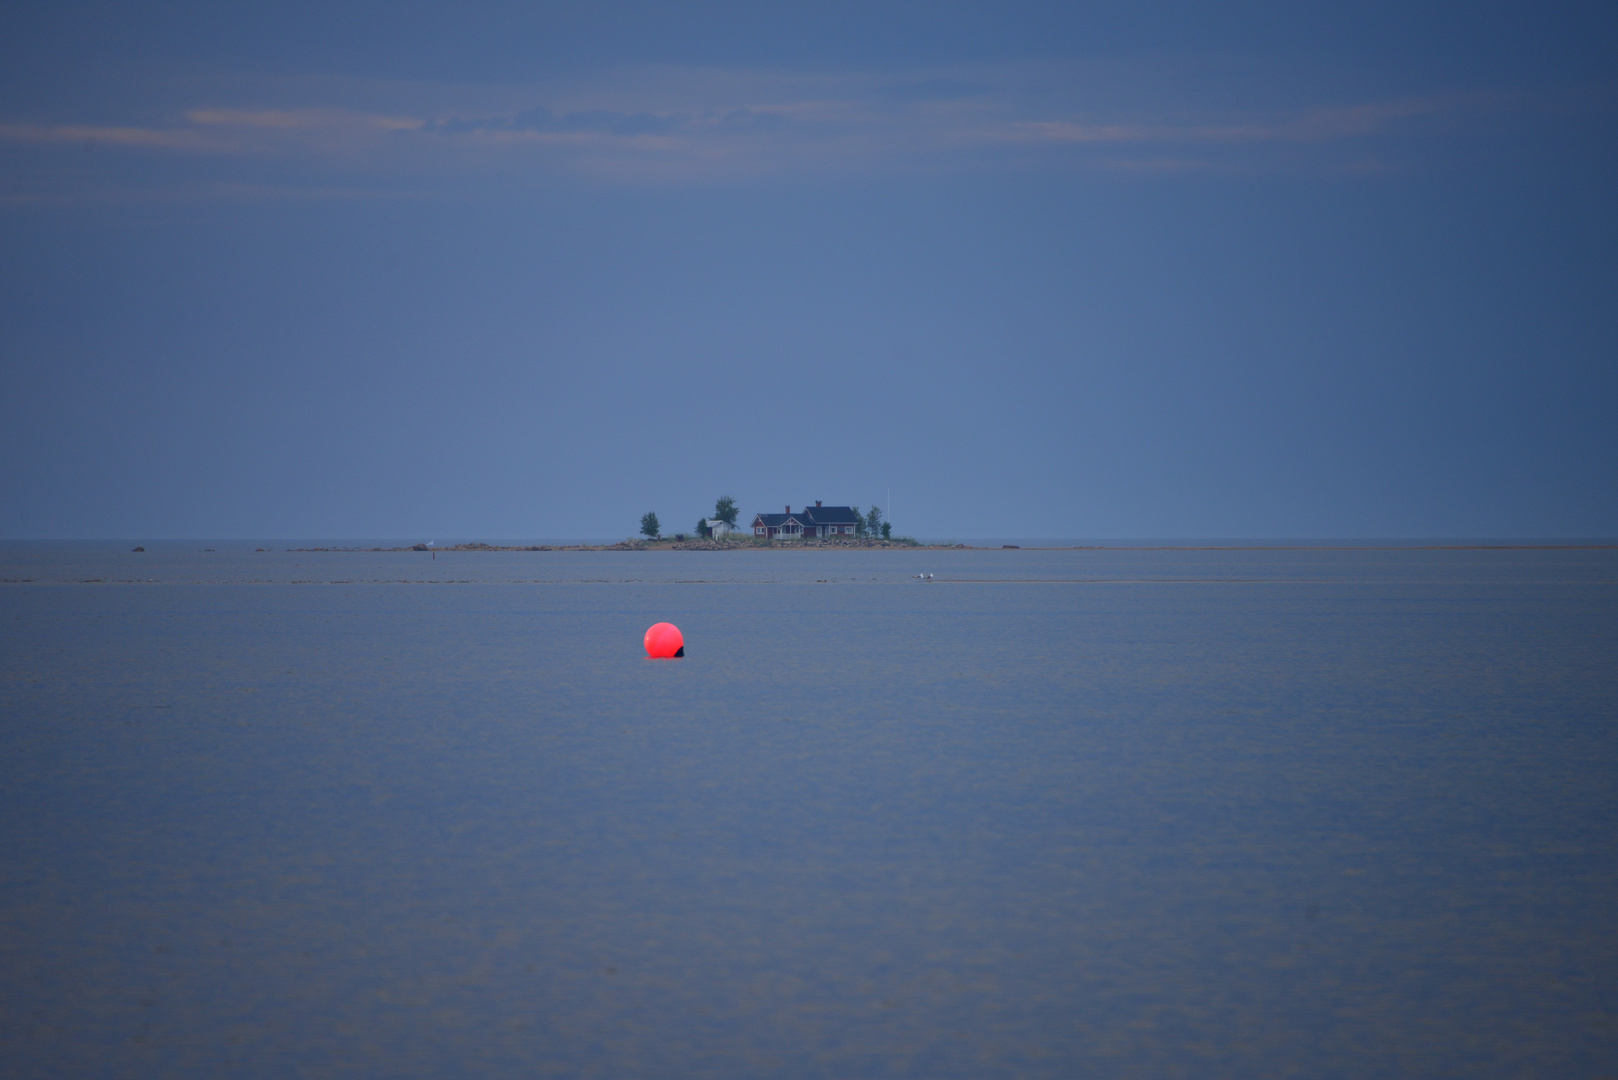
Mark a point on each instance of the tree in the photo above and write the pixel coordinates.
(873, 522)
(649, 525)
(859, 521)
(887, 530)
(725, 510)
(702, 527)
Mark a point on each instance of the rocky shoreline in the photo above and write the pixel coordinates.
(691, 544)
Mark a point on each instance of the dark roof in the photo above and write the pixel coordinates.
(811, 515)
(831, 515)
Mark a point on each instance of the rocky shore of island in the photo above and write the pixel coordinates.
(749, 544)
(666, 544)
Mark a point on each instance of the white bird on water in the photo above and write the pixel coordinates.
(924, 577)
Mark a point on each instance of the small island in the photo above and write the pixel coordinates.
(670, 543)
(816, 527)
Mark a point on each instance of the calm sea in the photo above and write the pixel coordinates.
(1050, 814)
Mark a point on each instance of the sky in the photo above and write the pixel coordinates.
(485, 271)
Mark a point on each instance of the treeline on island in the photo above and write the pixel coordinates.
(724, 512)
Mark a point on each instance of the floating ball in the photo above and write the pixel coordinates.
(664, 642)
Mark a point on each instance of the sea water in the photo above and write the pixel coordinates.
(1049, 814)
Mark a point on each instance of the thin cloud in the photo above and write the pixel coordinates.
(663, 124)
(1321, 125)
(218, 131)
(81, 134)
(299, 119)
(1068, 131)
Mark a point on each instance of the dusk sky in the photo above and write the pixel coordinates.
(416, 271)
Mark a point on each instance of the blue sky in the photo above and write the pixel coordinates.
(356, 270)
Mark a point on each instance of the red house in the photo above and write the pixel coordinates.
(811, 522)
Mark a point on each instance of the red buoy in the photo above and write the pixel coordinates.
(664, 641)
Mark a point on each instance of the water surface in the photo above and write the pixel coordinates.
(1054, 813)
